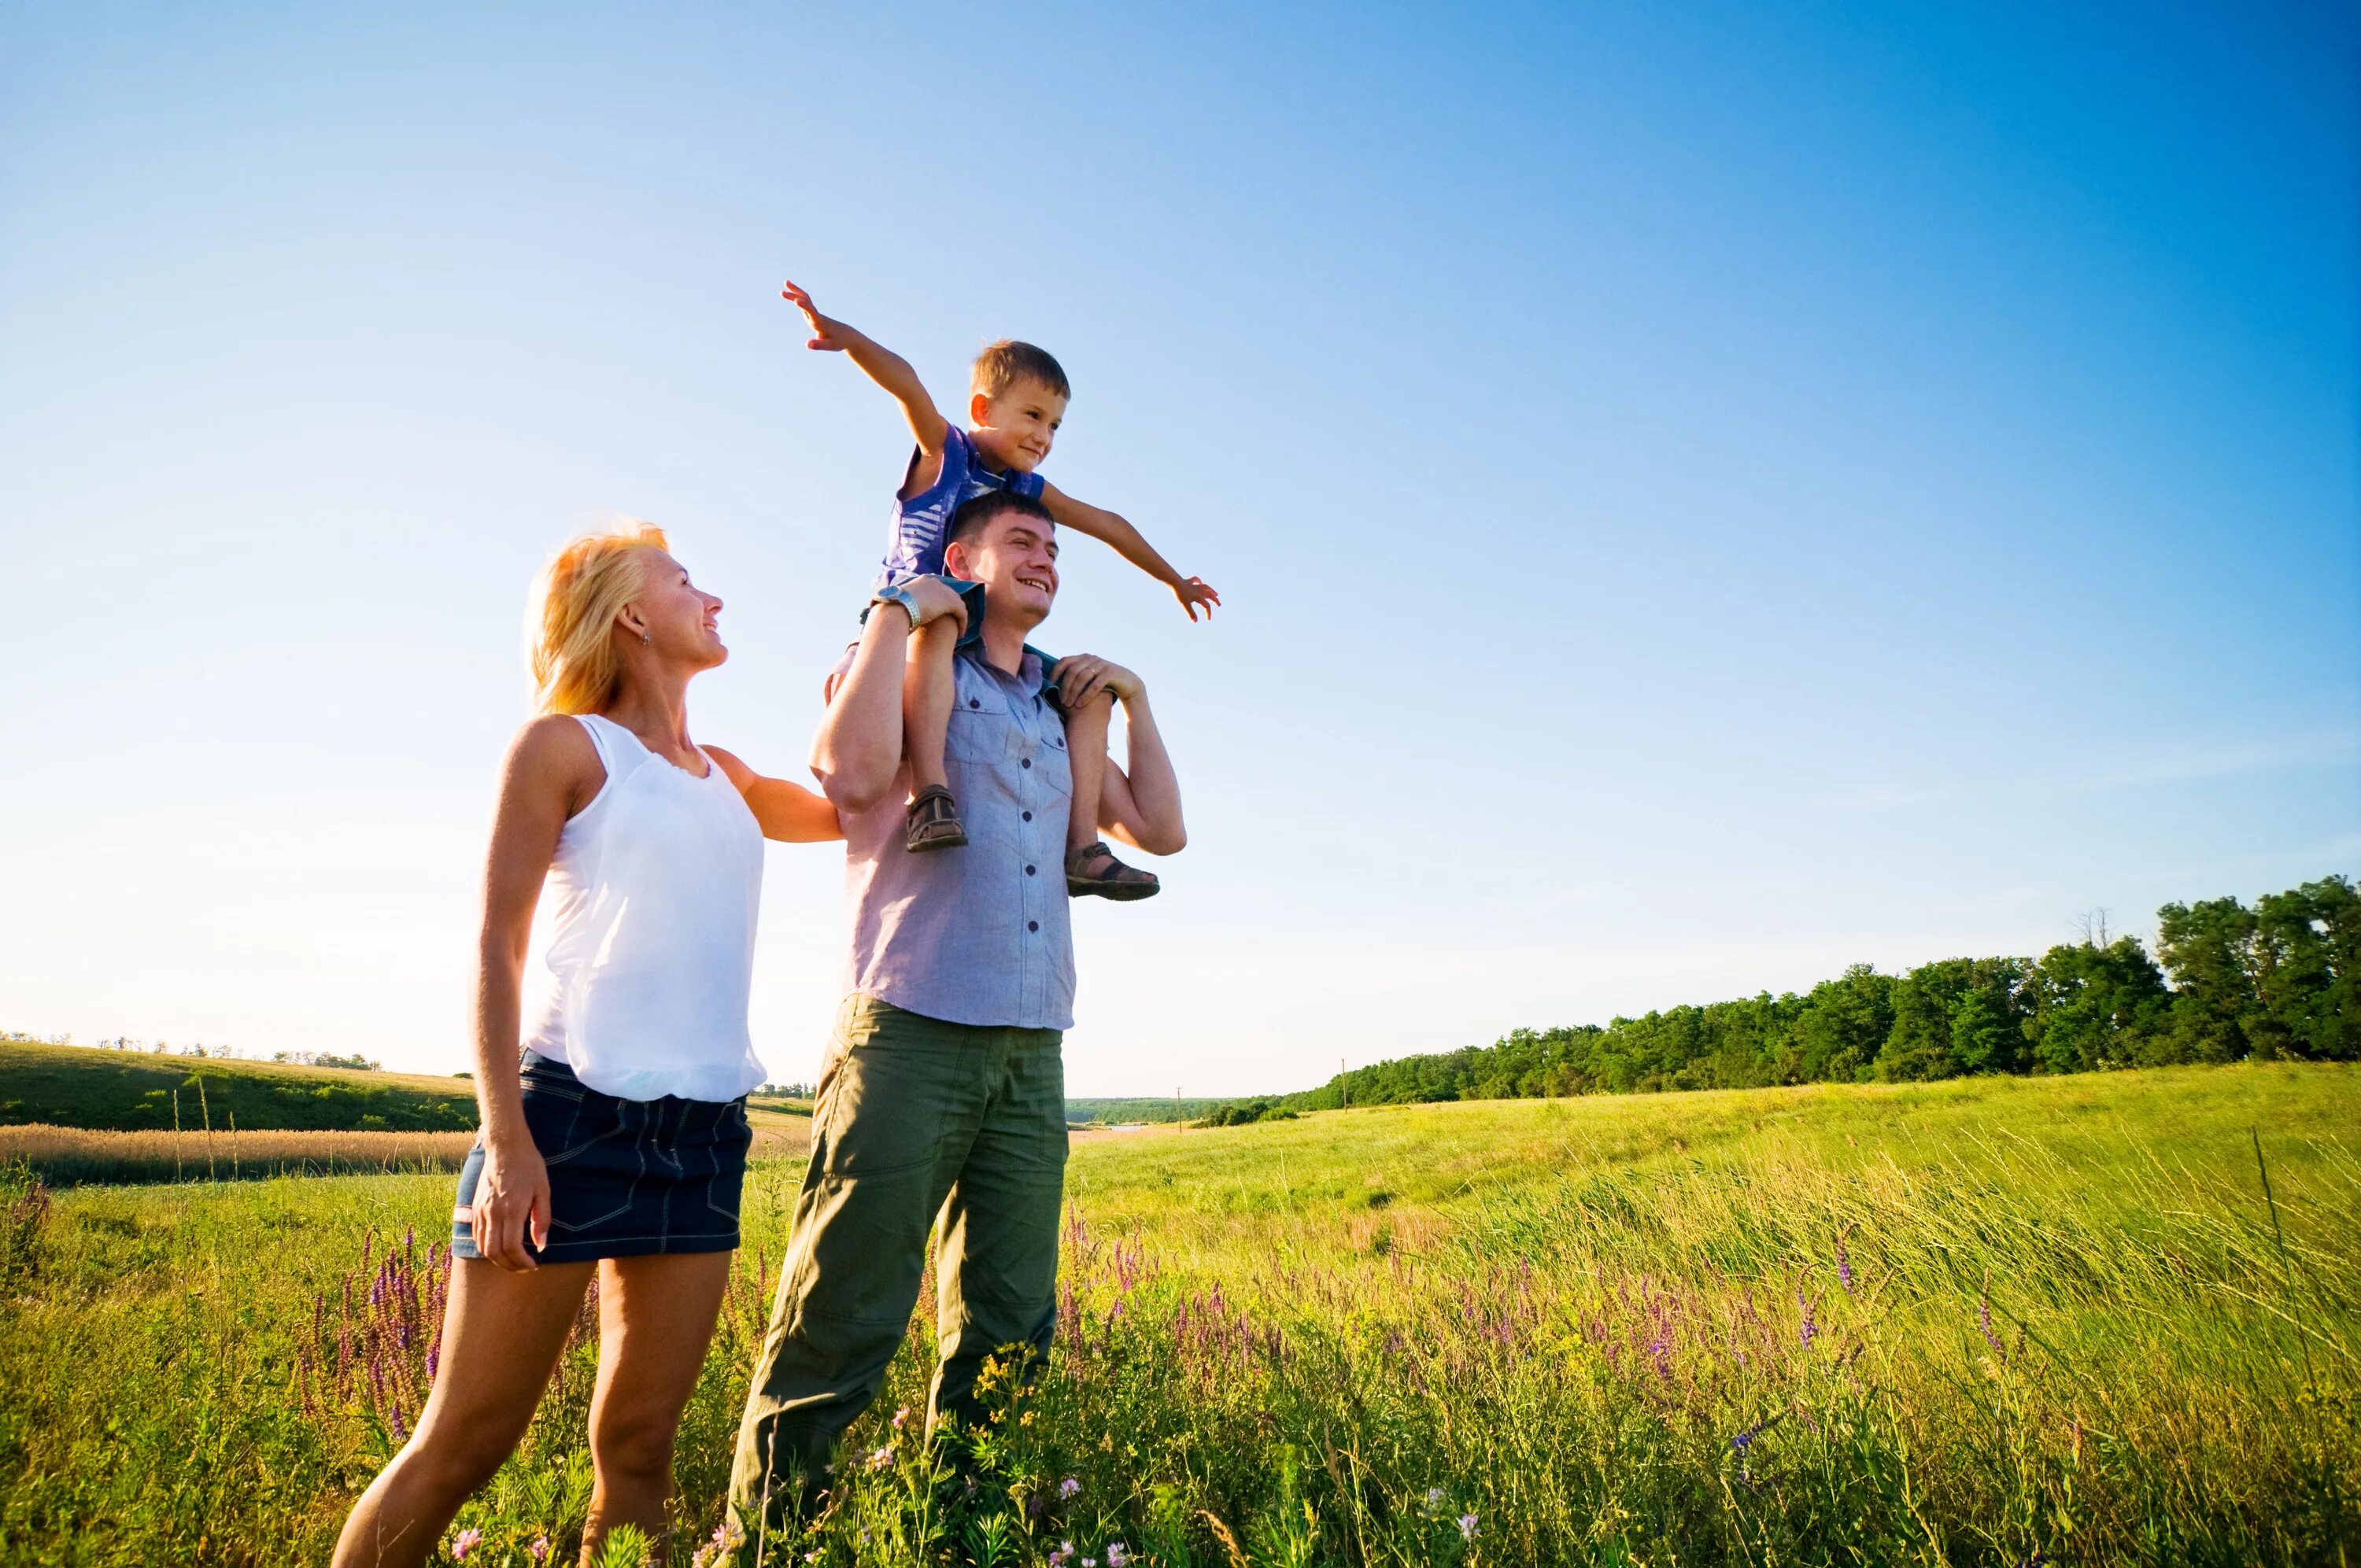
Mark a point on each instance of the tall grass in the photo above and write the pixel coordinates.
(2002, 1322)
(76, 1156)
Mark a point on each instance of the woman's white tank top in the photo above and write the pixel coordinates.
(656, 883)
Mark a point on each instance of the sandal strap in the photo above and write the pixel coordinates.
(1116, 872)
(931, 806)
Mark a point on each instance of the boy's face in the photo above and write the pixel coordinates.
(1015, 429)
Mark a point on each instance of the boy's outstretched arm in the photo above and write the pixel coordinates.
(880, 364)
(1131, 545)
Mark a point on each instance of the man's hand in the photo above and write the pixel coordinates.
(1191, 592)
(1082, 676)
(828, 332)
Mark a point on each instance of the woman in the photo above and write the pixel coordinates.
(618, 1142)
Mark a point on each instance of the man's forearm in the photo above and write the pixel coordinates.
(860, 741)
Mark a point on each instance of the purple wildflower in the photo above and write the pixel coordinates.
(1467, 1526)
(539, 1549)
(1844, 1266)
(1069, 1488)
(882, 1459)
(464, 1542)
(1984, 1322)
(1807, 1330)
(901, 1416)
(1062, 1555)
(1117, 1554)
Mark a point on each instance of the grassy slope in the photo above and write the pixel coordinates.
(71, 1086)
(1527, 1307)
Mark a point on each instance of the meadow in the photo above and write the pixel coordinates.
(1985, 1321)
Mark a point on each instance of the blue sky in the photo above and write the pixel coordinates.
(1703, 495)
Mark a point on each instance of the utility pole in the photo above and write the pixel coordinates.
(1344, 1085)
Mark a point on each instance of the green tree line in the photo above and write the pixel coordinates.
(2278, 980)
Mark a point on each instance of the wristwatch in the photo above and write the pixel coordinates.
(895, 593)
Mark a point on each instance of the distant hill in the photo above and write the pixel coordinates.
(1115, 1112)
(78, 1086)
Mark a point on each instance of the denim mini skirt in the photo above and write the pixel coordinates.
(627, 1177)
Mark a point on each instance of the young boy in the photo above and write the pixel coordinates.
(1015, 403)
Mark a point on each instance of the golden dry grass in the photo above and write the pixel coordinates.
(70, 1157)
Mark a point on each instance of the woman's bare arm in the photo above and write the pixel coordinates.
(787, 812)
(552, 772)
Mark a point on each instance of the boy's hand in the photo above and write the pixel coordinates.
(937, 600)
(827, 331)
(1082, 676)
(1191, 592)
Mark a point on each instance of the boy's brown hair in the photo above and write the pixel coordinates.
(1007, 362)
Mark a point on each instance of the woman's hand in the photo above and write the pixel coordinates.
(511, 1197)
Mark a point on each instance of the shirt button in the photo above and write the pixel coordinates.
(1032, 925)
(973, 703)
(1027, 762)
(1028, 870)
(1028, 816)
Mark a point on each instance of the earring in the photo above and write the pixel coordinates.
(645, 637)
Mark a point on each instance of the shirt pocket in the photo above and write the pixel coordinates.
(1055, 764)
(982, 728)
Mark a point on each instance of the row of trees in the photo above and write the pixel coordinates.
(2278, 980)
(355, 1060)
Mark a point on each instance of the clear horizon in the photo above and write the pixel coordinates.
(1699, 500)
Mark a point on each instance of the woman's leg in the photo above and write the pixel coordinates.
(655, 1318)
(501, 1336)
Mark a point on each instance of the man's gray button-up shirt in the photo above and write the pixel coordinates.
(979, 935)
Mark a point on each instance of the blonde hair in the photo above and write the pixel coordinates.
(570, 625)
(1004, 364)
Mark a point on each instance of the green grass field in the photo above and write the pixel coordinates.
(75, 1086)
(1992, 1321)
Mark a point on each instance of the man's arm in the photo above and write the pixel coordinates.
(787, 812)
(1131, 545)
(859, 747)
(1140, 802)
(881, 364)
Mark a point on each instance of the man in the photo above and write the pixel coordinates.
(943, 1090)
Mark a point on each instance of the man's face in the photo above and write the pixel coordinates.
(1015, 429)
(1015, 559)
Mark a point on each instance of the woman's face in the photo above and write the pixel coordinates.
(677, 615)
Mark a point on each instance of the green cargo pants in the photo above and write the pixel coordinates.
(915, 1117)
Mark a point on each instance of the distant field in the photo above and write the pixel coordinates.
(1984, 1322)
(77, 1086)
(1116, 1113)
(72, 1156)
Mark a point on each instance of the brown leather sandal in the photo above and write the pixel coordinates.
(933, 822)
(1118, 882)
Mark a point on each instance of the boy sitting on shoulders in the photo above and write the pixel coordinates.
(1016, 400)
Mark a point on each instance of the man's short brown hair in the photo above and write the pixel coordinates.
(1007, 362)
(975, 514)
